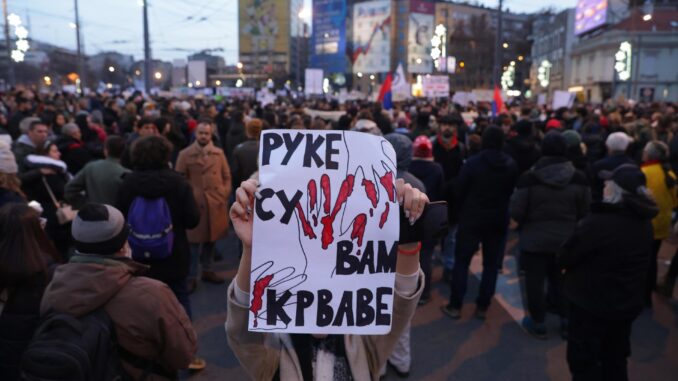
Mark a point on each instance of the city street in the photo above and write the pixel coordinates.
(468, 349)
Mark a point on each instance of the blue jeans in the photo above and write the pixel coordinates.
(448, 248)
(180, 290)
(493, 240)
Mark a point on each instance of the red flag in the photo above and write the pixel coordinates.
(498, 102)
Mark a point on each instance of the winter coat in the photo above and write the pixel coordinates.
(149, 321)
(74, 153)
(524, 150)
(207, 170)
(185, 215)
(665, 198)
(34, 187)
(244, 161)
(483, 189)
(431, 174)
(22, 148)
(100, 182)
(607, 258)
(263, 354)
(18, 322)
(609, 163)
(8, 197)
(450, 158)
(234, 136)
(548, 202)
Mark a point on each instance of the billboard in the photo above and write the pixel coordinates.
(372, 37)
(264, 28)
(421, 21)
(590, 15)
(328, 48)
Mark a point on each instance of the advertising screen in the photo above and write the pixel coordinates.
(329, 35)
(590, 15)
(372, 37)
(420, 33)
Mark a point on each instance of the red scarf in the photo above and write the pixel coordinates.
(650, 163)
(449, 145)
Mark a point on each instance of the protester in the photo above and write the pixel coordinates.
(617, 144)
(207, 171)
(143, 127)
(605, 263)
(26, 259)
(661, 181)
(10, 185)
(245, 155)
(548, 202)
(28, 143)
(99, 181)
(265, 356)
(483, 190)
(523, 148)
(153, 332)
(72, 148)
(23, 110)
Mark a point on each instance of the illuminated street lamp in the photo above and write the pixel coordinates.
(623, 61)
(239, 65)
(111, 69)
(544, 73)
(48, 80)
(505, 45)
(158, 75)
(438, 42)
(217, 82)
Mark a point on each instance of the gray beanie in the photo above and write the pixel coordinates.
(99, 229)
(7, 159)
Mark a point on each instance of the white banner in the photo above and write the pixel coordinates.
(372, 37)
(436, 86)
(313, 82)
(325, 235)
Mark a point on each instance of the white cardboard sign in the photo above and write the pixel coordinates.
(325, 233)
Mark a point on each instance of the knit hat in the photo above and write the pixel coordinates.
(618, 142)
(572, 138)
(493, 138)
(7, 159)
(553, 124)
(403, 149)
(99, 229)
(422, 147)
(554, 144)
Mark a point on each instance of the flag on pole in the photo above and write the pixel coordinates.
(497, 103)
(400, 87)
(385, 93)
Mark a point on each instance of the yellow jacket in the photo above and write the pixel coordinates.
(665, 198)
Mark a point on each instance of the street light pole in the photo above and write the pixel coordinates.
(8, 48)
(497, 46)
(81, 66)
(147, 51)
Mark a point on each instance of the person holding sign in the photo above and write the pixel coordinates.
(328, 318)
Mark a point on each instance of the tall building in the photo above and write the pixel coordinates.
(267, 35)
(552, 40)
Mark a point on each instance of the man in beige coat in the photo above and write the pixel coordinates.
(207, 170)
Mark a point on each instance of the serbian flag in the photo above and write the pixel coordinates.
(497, 103)
(385, 93)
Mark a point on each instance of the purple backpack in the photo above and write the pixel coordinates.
(150, 229)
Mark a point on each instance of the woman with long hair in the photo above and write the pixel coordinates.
(26, 257)
(10, 185)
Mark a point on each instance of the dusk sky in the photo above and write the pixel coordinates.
(178, 27)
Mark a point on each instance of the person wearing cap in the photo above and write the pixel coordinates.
(548, 202)
(661, 181)
(483, 192)
(431, 175)
(449, 152)
(150, 325)
(617, 144)
(605, 264)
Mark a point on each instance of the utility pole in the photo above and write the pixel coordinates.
(147, 51)
(81, 62)
(8, 47)
(496, 76)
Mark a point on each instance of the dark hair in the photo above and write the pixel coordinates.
(34, 123)
(115, 145)
(43, 150)
(205, 120)
(24, 246)
(151, 152)
(143, 121)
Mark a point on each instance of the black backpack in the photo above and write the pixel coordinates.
(75, 349)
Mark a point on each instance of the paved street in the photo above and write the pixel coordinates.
(468, 349)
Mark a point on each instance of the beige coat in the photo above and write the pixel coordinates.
(260, 354)
(206, 169)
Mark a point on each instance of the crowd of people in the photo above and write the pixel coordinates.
(114, 203)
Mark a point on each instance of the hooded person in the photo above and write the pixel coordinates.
(548, 202)
(483, 191)
(153, 332)
(617, 144)
(605, 264)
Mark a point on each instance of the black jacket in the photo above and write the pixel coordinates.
(74, 153)
(609, 163)
(483, 189)
(548, 201)
(524, 150)
(607, 258)
(185, 215)
(431, 174)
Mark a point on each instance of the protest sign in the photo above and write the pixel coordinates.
(436, 86)
(325, 234)
(562, 99)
